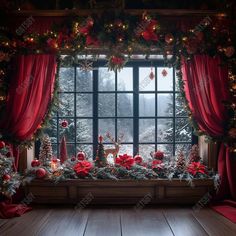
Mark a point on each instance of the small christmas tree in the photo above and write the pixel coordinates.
(194, 154)
(101, 160)
(45, 154)
(180, 162)
(9, 180)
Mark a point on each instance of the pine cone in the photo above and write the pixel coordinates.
(180, 162)
(194, 154)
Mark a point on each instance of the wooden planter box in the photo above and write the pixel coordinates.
(118, 192)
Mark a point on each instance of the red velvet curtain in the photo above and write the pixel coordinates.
(206, 87)
(30, 92)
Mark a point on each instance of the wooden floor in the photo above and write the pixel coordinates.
(107, 221)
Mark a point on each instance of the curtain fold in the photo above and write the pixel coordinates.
(30, 93)
(206, 87)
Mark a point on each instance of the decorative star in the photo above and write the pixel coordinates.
(86, 66)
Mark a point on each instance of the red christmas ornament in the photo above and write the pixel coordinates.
(159, 155)
(164, 73)
(151, 75)
(138, 159)
(117, 60)
(2, 144)
(40, 173)
(81, 156)
(169, 38)
(35, 163)
(64, 124)
(6, 177)
(100, 139)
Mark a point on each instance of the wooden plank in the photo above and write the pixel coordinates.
(27, 224)
(68, 221)
(212, 224)
(144, 222)
(104, 222)
(182, 222)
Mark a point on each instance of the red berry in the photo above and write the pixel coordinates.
(35, 163)
(6, 177)
(40, 173)
(81, 156)
(2, 144)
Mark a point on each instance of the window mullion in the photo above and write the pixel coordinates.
(136, 109)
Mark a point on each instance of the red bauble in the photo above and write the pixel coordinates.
(6, 177)
(2, 144)
(159, 155)
(35, 163)
(169, 38)
(81, 156)
(138, 159)
(40, 173)
(64, 124)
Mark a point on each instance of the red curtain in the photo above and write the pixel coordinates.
(206, 87)
(30, 92)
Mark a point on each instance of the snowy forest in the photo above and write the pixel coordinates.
(76, 107)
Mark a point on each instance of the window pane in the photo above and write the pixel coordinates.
(106, 79)
(126, 149)
(167, 149)
(185, 148)
(165, 104)
(145, 82)
(68, 132)
(125, 104)
(54, 150)
(146, 104)
(104, 126)
(125, 79)
(125, 127)
(164, 130)
(88, 149)
(106, 105)
(180, 109)
(176, 82)
(70, 150)
(66, 104)
(84, 82)
(145, 150)
(146, 130)
(52, 130)
(164, 83)
(66, 81)
(84, 131)
(84, 105)
(183, 131)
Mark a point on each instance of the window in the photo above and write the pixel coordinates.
(148, 112)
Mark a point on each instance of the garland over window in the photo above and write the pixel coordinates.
(121, 35)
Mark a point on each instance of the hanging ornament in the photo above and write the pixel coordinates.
(86, 65)
(138, 159)
(35, 163)
(41, 173)
(164, 73)
(64, 124)
(151, 75)
(169, 38)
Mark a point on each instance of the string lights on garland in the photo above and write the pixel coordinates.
(121, 35)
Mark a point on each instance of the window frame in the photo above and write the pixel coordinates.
(135, 64)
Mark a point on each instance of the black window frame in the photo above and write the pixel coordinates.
(135, 64)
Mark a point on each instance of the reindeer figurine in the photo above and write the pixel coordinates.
(113, 151)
